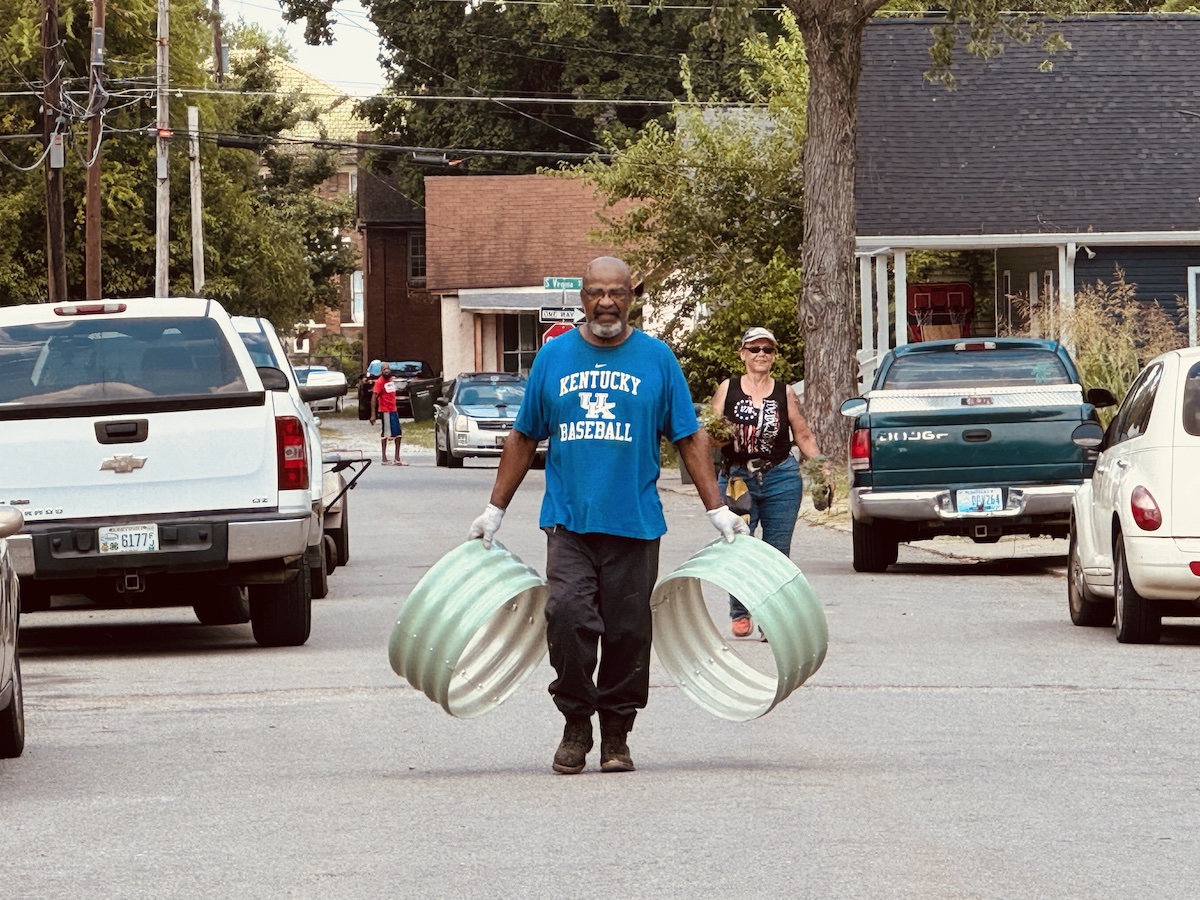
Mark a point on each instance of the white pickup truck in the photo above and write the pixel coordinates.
(154, 464)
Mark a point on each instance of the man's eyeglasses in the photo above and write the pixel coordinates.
(759, 349)
(618, 294)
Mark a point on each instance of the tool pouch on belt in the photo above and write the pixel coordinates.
(739, 496)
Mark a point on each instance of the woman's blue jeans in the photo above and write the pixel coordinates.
(775, 504)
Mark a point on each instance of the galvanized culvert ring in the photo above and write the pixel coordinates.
(472, 629)
(781, 602)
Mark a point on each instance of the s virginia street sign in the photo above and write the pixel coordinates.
(562, 284)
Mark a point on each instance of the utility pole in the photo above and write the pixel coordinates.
(197, 200)
(218, 49)
(56, 240)
(92, 274)
(162, 205)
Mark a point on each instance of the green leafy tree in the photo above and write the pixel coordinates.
(522, 53)
(270, 245)
(711, 213)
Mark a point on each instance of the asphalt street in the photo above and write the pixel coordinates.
(962, 740)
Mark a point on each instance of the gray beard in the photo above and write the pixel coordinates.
(606, 331)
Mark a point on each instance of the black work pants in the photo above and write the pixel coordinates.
(599, 600)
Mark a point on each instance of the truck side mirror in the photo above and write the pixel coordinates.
(273, 379)
(854, 407)
(1101, 397)
(1088, 435)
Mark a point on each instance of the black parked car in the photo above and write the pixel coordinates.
(404, 375)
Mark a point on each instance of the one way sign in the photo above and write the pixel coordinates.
(560, 314)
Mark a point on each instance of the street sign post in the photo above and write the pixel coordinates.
(562, 284)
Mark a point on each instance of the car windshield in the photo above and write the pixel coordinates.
(261, 353)
(89, 360)
(491, 395)
(405, 369)
(1001, 367)
(302, 372)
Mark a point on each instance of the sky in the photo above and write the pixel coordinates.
(348, 64)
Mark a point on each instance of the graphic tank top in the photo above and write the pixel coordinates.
(758, 432)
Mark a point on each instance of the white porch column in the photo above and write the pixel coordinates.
(864, 297)
(1193, 277)
(1066, 292)
(900, 276)
(881, 299)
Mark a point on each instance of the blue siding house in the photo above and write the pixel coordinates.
(1064, 175)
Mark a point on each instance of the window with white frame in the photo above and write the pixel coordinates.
(356, 296)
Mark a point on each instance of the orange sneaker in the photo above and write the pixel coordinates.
(742, 627)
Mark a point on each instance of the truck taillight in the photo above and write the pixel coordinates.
(293, 454)
(860, 450)
(1145, 509)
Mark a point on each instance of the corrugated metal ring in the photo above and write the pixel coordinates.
(697, 656)
(472, 629)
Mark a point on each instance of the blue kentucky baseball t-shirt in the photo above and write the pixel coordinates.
(605, 410)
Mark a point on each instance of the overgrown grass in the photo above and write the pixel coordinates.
(1112, 333)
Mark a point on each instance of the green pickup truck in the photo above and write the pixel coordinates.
(967, 437)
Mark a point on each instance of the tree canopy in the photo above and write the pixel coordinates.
(713, 213)
(531, 80)
(269, 241)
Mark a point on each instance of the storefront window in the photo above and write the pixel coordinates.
(520, 334)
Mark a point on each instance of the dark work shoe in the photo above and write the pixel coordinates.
(614, 754)
(571, 755)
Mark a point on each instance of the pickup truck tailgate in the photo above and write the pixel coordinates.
(168, 470)
(949, 437)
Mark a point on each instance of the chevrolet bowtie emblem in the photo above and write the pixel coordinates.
(122, 463)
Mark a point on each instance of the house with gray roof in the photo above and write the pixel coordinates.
(1064, 175)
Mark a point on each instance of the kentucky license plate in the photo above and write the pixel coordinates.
(129, 539)
(979, 500)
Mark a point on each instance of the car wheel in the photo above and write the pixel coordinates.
(1086, 608)
(1138, 619)
(12, 718)
(281, 614)
(219, 604)
(439, 455)
(319, 575)
(364, 403)
(874, 546)
(341, 536)
(34, 597)
(454, 462)
(331, 556)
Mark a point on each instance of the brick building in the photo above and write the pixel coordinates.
(401, 319)
(460, 283)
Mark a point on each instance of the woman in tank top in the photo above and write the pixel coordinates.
(767, 423)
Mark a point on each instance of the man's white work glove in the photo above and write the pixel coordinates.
(728, 522)
(487, 524)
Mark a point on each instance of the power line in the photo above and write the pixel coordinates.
(553, 101)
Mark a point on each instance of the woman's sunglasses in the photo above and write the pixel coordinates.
(759, 349)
